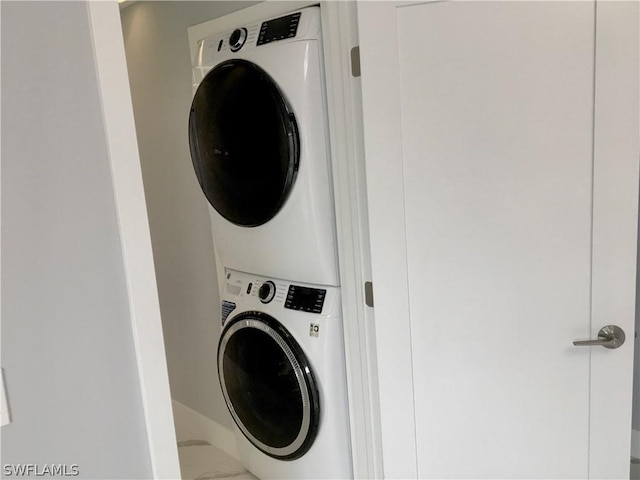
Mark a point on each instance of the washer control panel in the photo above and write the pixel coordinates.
(279, 29)
(305, 299)
(251, 291)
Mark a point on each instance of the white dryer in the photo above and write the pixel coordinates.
(258, 138)
(282, 372)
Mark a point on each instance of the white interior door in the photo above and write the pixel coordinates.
(502, 165)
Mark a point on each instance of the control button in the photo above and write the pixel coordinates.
(237, 39)
(267, 291)
(249, 288)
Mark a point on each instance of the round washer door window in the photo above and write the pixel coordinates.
(244, 142)
(268, 385)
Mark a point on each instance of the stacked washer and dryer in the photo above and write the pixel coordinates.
(259, 145)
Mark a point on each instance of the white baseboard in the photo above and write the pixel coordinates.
(191, 425)
(635, 443)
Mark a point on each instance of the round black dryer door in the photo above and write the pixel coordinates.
(268, 385)
(244, 142)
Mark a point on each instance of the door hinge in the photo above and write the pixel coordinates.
(355, 61)
(368, 294)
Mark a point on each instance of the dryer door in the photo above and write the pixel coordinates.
(268, 385)
(244, 142)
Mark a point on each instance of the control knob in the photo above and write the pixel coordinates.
(267, 291)
(237, 39)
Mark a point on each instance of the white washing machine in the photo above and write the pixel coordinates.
(259, 145)
(282, 372)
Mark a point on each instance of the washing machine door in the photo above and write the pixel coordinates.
(244, 142)
(268, 385)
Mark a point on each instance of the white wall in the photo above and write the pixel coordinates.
(159, 66)
(67, 339)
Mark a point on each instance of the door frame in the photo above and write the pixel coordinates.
(135, 236)
(344, 101)
(614, 237)
(381, 115)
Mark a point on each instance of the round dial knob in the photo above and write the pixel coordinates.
(267, 291)
(237, 39)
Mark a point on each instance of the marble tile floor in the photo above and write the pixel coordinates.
(200, 460)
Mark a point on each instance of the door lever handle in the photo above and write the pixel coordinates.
(610, 336)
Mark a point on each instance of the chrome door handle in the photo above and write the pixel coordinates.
(610, 336)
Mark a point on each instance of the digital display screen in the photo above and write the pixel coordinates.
(305, 299)
(279, 29)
